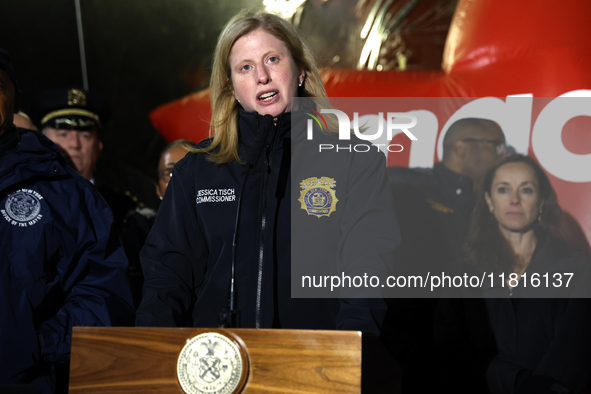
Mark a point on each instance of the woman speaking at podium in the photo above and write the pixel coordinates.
(256, 198)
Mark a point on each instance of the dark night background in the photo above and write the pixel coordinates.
(144, 53)
(140, 54)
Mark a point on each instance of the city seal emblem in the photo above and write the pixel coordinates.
(318, 196)
(22, 208)
(212, 363)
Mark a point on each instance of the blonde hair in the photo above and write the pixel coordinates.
(224, 119)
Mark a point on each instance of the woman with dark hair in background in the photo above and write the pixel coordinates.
(522, 335)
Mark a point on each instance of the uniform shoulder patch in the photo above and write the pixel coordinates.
(22, 208)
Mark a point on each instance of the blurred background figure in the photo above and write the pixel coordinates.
(171, 154)
(433, 208)
(139, 224)
(73, 118)
(435, 204)
(62, 263)
(521, 337)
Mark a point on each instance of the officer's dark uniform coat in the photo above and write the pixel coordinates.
(61, 260)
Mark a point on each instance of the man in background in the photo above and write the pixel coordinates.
(435, 204)
(433, 207)
(74, 119)
(138, 226)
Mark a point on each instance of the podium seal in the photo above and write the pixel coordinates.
(212, 363)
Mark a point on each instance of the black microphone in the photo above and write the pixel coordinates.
(230, 318)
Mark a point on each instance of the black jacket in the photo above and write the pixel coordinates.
(61, 261)
(187, 256)
(519, 345)
(433, 207)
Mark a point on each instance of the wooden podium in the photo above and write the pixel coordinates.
(144, 360)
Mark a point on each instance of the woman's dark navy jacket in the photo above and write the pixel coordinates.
(61, 261)
(187, 256)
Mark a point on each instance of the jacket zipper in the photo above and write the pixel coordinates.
(258, 312)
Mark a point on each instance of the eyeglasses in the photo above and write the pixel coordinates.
(165, 174)
(498, 144)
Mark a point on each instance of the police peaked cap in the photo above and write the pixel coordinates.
(6, 65)
(70, 108)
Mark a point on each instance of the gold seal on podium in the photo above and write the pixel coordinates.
(212, 363)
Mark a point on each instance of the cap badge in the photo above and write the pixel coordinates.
(76, 97)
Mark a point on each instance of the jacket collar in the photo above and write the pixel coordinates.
(249, 123)
(19, 146)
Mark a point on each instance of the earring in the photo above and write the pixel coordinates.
(540, 215)
(301, 82)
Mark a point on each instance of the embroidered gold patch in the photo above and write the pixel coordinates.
(439, 206)
(76, 97)
(318, 196)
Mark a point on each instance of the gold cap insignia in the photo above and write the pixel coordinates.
(76, 97)
(318, 196)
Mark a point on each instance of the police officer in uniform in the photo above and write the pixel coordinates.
(73, 118)
(433, 208)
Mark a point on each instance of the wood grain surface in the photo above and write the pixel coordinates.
(144, 360)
